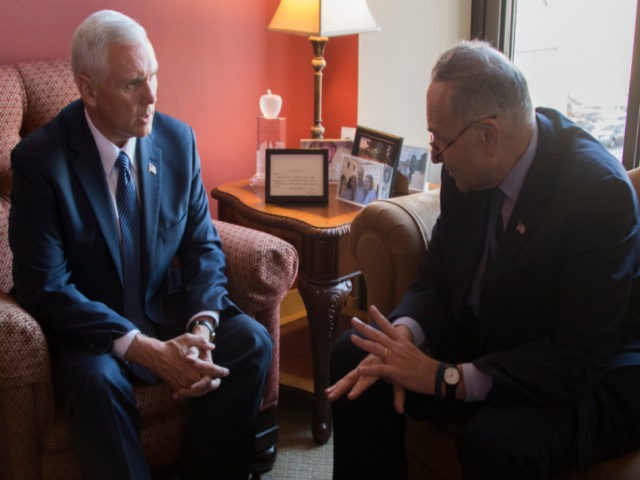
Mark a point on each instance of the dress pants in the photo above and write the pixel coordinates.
(96, 393)
(506, 441)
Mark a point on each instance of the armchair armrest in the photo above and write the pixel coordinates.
(388, 240)
(261, 267)
(25, 356)
(26, 391)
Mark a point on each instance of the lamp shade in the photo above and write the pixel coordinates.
(323, 18)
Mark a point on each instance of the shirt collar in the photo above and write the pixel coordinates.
(513, 182)
(108, 151)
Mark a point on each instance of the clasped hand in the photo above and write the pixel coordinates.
(199, 375)
(392, 357)
(184, 362)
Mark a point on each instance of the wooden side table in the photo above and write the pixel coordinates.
(320, 234)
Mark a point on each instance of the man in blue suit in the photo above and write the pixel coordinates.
(521, 326)
(68, 236)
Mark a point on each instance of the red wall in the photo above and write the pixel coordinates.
(216, 59)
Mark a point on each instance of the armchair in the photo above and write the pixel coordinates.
(388, 240)
(34, 436)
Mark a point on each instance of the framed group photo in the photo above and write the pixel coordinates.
(379, 147)
(363, 181)
(296, 175)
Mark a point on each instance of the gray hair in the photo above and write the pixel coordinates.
(484, 81)
(92, 38)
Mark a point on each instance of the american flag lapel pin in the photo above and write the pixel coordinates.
(152, 169)
(520, 228)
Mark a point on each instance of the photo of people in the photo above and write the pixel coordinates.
(363, 181)
(337, 149)
(380, 147)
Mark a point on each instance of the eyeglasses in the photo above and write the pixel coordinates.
(436, 157)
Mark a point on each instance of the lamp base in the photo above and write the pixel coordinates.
(318, 44)
(317, 131)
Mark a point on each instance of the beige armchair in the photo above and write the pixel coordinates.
(389, 239)
(34, 436)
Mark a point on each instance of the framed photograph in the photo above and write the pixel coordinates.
(379, 147)
(363, 181)
(414, 164)
(296, 175)
(337, 148)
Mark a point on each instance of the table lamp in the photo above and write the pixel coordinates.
(321, 19)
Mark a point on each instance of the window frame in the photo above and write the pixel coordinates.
(494, 21)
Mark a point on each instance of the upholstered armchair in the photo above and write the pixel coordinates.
(34, 436)
(389, 239)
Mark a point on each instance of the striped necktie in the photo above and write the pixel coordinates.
(130, 250)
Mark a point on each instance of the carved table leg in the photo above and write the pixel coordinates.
(323, 303)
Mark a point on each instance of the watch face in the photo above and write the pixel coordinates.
(451, 376)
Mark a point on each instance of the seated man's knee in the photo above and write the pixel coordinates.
(244, 344)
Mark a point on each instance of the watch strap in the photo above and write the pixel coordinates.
(204, 323)
(437, 392)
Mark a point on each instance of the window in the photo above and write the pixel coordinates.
(577, 57)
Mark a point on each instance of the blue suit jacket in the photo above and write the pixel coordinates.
(553, 313)
(64, 236)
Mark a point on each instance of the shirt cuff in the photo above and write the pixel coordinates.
(211, 315)
(416, 329)
(477, 383)
(122, 344)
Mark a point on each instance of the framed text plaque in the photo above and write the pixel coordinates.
(297, 175)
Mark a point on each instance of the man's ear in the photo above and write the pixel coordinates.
(490, 134)
(87, 90)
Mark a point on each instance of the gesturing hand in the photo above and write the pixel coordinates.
(392, 357)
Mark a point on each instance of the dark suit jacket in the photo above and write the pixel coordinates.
(64, 236)
(553, 310)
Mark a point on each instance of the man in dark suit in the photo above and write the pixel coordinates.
(519, 326)
(79, 254)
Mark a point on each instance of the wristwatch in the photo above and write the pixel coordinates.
(204, 323)
(451, 377)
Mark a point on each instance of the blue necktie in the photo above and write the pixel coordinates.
(130, 242)
(493, 236)
(494, 226)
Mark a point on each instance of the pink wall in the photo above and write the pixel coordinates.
(216, 59)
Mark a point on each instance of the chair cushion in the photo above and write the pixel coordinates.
(13, 101)
(49, 86)
(6, 256)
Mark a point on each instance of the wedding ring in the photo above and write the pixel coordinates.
(384, 355)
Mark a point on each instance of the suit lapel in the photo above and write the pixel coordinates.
(532, 202)
(467, 237)
(150, 176)
(90, 174)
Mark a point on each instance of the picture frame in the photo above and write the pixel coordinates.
(337, 148)
(380, 147)
(363, 181)
(296, 175)
(414, 164)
